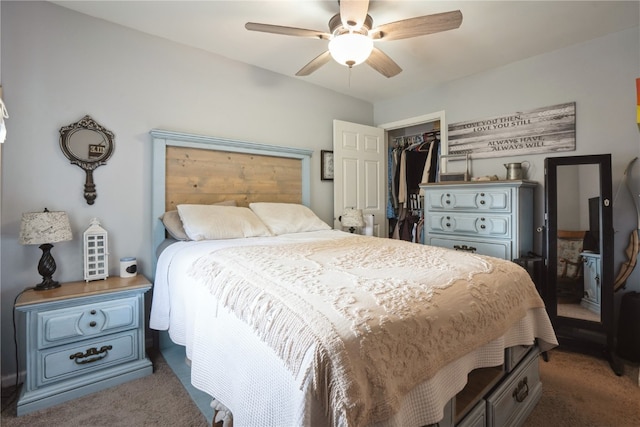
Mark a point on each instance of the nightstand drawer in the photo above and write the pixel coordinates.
(68, 325)
(91, 355)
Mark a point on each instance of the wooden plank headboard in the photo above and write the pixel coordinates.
(198, 169)
(199, 176)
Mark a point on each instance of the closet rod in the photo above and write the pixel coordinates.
(430, 133)
(401, 140)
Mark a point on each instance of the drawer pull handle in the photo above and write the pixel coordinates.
(101, 354)
(522, 391)
(92, 324)
(464, 248)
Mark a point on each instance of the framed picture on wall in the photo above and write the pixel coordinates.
(326, 165)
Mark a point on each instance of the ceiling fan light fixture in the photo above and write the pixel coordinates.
(350, 49)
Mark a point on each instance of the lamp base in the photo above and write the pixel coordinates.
(46, 268)
(47, 283)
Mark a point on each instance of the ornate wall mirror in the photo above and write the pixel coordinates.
(88, 145)
(579, 252)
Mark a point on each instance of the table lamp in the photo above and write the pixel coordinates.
(352, 218)
(44, 229)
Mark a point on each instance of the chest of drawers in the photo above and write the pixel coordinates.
(81, 338)
(486, 217)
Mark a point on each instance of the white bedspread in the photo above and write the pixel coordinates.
(229, 362)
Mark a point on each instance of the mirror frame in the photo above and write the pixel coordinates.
(569, 330)
(67, 134)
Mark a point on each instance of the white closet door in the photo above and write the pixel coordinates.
(360, 172)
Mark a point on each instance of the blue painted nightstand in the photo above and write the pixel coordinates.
(81, 338)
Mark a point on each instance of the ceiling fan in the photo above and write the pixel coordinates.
(351, 36)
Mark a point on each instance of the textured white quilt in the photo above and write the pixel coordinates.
(360, 321)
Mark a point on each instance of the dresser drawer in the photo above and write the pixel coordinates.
(513, 400)
(72, 360)
(513, 356)
(498, 200)
(498, 249)
(498, 226)
(476, 418)
(66, 325)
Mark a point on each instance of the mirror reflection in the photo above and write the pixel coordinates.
(88, 145)
(578, 284)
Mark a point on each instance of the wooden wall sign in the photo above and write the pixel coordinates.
(547, 129)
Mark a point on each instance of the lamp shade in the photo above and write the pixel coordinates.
(352, 217)
(38, 228)
(351, 48)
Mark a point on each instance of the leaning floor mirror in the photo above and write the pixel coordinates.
(579, 253)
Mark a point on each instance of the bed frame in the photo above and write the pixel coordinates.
(191, 168)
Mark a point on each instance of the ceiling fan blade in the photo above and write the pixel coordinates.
(316, 63)
(380, 61)
(353, 13)
(287, 31)
(419, 26)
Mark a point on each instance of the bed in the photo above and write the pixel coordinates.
(288, 322)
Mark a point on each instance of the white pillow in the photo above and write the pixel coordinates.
(173, 224)
(283, 218)
(210, 222)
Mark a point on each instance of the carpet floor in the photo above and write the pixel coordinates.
(578, 391)
(582, 391)
(155, 400)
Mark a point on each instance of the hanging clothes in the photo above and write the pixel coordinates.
(391, 196)
(414, 168)
(412, 160)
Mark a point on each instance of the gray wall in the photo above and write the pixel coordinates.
(598, 75)
(58, 65)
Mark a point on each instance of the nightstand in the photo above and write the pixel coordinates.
(81, 338)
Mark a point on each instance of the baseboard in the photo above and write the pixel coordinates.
(10, 380)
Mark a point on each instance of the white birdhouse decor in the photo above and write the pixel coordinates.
(96, 252)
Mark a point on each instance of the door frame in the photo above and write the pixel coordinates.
(419, 120)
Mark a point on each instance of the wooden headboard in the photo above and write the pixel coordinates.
(198, 169)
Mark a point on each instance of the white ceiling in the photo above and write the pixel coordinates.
(492, 34)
